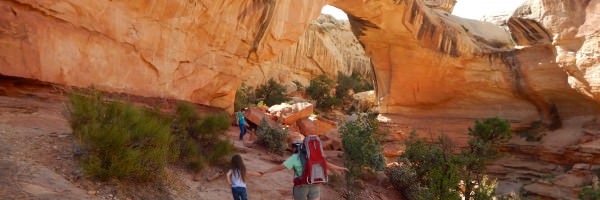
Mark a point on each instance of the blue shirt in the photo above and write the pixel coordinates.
(240, 118)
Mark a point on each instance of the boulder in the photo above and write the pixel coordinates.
(365, 101)
(331, 141)
(324, 125)
(289, 114)
(255, 115)
(307, 127)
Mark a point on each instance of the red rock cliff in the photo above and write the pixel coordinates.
(192, 50)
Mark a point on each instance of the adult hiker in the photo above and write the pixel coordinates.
(241, 123)
(303, 190)
(236, 177)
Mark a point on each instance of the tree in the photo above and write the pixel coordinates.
(271, 93)
(319, 90)
(438, 171)
(362, 148)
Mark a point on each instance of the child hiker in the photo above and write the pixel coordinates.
(236, 177)
(241, 123)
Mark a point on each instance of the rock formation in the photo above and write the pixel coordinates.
(191, 50)
(430, 63)
(326, 47)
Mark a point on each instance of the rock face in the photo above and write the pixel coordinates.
(430, 63)
(326, 47)
(191, 50)
(572, 29)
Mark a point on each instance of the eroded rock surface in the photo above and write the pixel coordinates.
(191, 50)
(326, 47)
(428, 63)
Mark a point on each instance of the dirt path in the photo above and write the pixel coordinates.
(37, 159)
(35, 146)
(277, 185)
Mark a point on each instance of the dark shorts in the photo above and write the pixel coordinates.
(307, 192)
(239, 193)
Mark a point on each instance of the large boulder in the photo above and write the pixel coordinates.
(365, 101)
(290, 113)
(307, 127)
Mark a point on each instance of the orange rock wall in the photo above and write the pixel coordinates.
(191, 50)
(430, 63)
(326, 47)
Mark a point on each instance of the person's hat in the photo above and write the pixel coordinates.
(296, 143)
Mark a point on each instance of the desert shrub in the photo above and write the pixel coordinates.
(534, 133)
(403, 178)
(299, 86)
(354, 82)
(244, 97)
(199, 139)
(589, 193)
(272, 137)
(319, 90)
(362, 148)
(121, 141)
(438, 170)
(271, 93)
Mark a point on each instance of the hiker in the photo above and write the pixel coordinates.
(236, 177)
(241, 123)
(302, 190)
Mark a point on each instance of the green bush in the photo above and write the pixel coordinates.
(588, 193)
(244, 97)
(200, 139)
(271, 93)
(319, 90)
(272, 137)
(362, 148)
(299, 86)
(121, 141)
(403, 178)
(354, 82)
(534, 133)
(438, 169)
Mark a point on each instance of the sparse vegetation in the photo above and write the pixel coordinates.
(272, 137)
(534, 133)
(362, 148)
(436, 171)
(126, 142)
(199, 139)
(589, 193)
(299, 86)
(320, 90)
(354, 82)
(120, 140)
(244, 97)
(271, 93)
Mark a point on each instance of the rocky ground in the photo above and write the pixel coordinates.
(550, 165)
(38, 159)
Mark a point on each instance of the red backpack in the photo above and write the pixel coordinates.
(313, 161)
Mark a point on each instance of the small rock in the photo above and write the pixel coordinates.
(92, 192)
(581, 166)
(63, 136)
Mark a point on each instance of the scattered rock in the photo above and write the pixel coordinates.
(307, 127)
